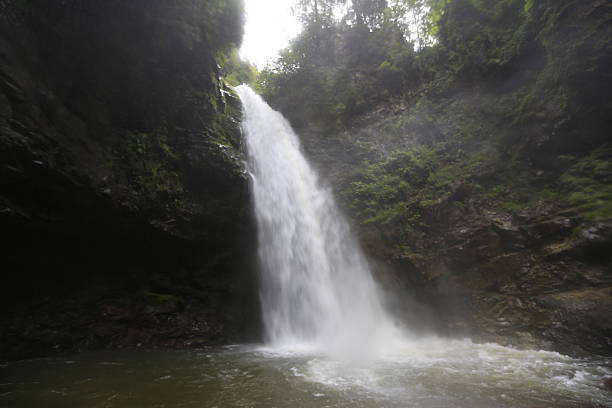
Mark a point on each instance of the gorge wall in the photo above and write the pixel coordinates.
(124, 202)
(476, 171)
(485, 189)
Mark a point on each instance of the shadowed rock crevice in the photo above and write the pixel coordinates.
(124, 198)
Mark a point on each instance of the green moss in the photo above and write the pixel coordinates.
(149, 165)
(484, 132)
(157, 299)
(237, 71)
(394, 196)
(528, 7)
(513, 205)
(588, 184)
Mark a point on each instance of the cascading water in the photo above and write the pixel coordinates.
(320, 300)
(317, 290)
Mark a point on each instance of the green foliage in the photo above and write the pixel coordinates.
(588, 184)
(434, 17)
(482, 35)
(236, 70)
(339, 68)
(398, 195)
(419, 19)
(222, 21)
(476, 103)
(335, 70)
(389, 192)
(149, 165)
(317, 12)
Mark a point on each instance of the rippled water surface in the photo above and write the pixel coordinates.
(426, 374)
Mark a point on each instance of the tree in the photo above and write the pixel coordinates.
(369, 12)
(350, 55)
(419, 19)
(236, 70)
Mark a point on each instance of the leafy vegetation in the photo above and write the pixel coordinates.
(236, 70)
(352, 55)
(588, 184)
(449, 107)
(342, 63)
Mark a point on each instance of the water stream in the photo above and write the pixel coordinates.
(330, 343)
(428, 374)
(317, 290)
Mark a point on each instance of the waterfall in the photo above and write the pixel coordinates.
(317, 290)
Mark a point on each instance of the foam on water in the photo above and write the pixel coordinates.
(452, 370)
(458, 374)
(320, 301)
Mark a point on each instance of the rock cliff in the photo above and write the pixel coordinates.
(485, 194)
(124, 201)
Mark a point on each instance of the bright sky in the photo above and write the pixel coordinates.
(269, 27)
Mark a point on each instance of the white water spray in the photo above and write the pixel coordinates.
(317, 290)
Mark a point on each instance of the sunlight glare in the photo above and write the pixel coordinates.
(270, 24)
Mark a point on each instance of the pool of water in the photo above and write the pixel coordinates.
(424, 374)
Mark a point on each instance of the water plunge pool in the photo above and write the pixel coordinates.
(426, 374)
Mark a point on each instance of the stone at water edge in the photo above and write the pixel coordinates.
(608, 383)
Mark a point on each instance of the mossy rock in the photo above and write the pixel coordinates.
(160, 303)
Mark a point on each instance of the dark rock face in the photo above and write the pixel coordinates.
(543, 292)
(124, 200)
(538, 278)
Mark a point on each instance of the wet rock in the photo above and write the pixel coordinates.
(162, 304)
(599, 233)
(480, 244)
(608, 383)
(581, 318)
(595, 242)
(511, 235)
(114, 183)
(547, 228)
(115, 312)
(433, 268)
(592, 244)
